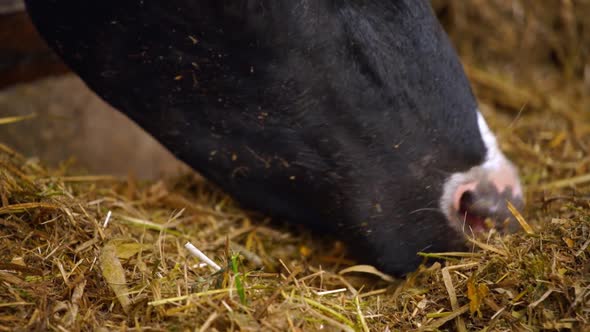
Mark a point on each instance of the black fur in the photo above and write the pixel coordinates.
(347, 115)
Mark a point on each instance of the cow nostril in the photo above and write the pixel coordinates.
(470, 214)
(466, 201)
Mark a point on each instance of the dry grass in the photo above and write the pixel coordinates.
(65, 267)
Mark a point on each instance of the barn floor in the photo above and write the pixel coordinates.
(100, 252)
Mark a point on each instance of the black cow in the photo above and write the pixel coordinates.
(352, 116)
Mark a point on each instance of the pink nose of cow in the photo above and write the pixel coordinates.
(481, 205)
(476, 200)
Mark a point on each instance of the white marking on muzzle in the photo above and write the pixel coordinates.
(495, 168)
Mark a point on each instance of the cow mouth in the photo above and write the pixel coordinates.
(476, 223)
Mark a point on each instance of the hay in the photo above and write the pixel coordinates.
(101, 253)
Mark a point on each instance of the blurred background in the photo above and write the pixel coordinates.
(520, 55)
(69, 124)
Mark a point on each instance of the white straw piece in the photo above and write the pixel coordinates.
(107, 219)
(199, 254)
(328, 292)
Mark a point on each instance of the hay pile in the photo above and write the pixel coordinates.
(84, 252)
